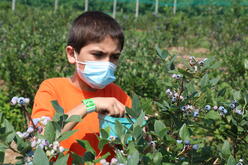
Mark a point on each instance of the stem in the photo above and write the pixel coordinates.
(14, 149)
(27, 115)
(235, 148)
(202, 94)
(180, 91)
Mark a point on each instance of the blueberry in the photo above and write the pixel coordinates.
(207, 107)
(195, 146)
(221, 108)
(178, 76)
(61, 149)
(235, 102)
(183, 108)
(225, 111)
(174, 99)
(179, 141)
(187, 142)
(36, 121)
(21, 100)
(14, 100)
(201, 63)
(232, 106)
(195, 114)
(30, 129)
(168, 91)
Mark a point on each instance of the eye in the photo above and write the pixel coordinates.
(98, 55)
(115, 56)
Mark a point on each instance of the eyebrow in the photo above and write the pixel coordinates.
(104, 53)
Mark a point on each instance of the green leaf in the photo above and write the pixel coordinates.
(226, 149)
(162, 53)
(184, 132)
(57, 107)
(3, 147)
(140, 121)
(157, 158)
(158, 126)
(246, 99)
(4, 135)
(185, 73)
(212, 115)
(222, 92)
(121, 158)
(231, 160)
(73, 118)
(236, 95)
(246, 63)
(137, 132)
(204, 81)
(133, 157)
(76, 159)
(10, 131)
(22, 145)
(49, 133)
(120, 131)
(104, 134)
(40, 157)
(57, 116)
(170, 64)
(102, 143)
(62, 160)
(66, 135)
(1, 157)
(136, 108)
(160, 129)
(86, 145)
(89, 156)
(1, 115)
(102, 157)
(214, 81)
(8, 125)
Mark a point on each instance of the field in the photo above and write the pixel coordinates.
(186, 72)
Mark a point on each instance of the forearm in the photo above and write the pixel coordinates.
(80, 110)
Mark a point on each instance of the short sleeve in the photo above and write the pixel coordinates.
(42, 101)
(128, 102)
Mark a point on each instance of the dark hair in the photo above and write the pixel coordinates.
(94, 26)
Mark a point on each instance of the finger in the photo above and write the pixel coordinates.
(111, 110)
(121, 109)
(116, 111)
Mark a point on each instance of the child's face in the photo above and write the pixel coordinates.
(106, 51)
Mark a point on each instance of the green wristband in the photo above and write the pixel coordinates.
(90, 105)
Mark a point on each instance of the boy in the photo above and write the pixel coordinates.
(94, 46)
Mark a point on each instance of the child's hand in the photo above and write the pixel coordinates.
(109, 105)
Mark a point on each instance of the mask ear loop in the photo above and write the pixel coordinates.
(75, 56)
(77, 62)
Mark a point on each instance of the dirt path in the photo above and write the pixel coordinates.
(10, 155)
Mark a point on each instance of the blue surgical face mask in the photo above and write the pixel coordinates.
(96, 74)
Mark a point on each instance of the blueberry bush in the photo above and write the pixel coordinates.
(194, 103)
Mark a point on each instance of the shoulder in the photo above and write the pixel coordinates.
(57, 81)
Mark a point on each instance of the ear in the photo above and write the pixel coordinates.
(70, 55)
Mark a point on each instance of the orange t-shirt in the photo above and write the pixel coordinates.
(68, 97)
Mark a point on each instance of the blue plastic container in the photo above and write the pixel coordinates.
(108, 122)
